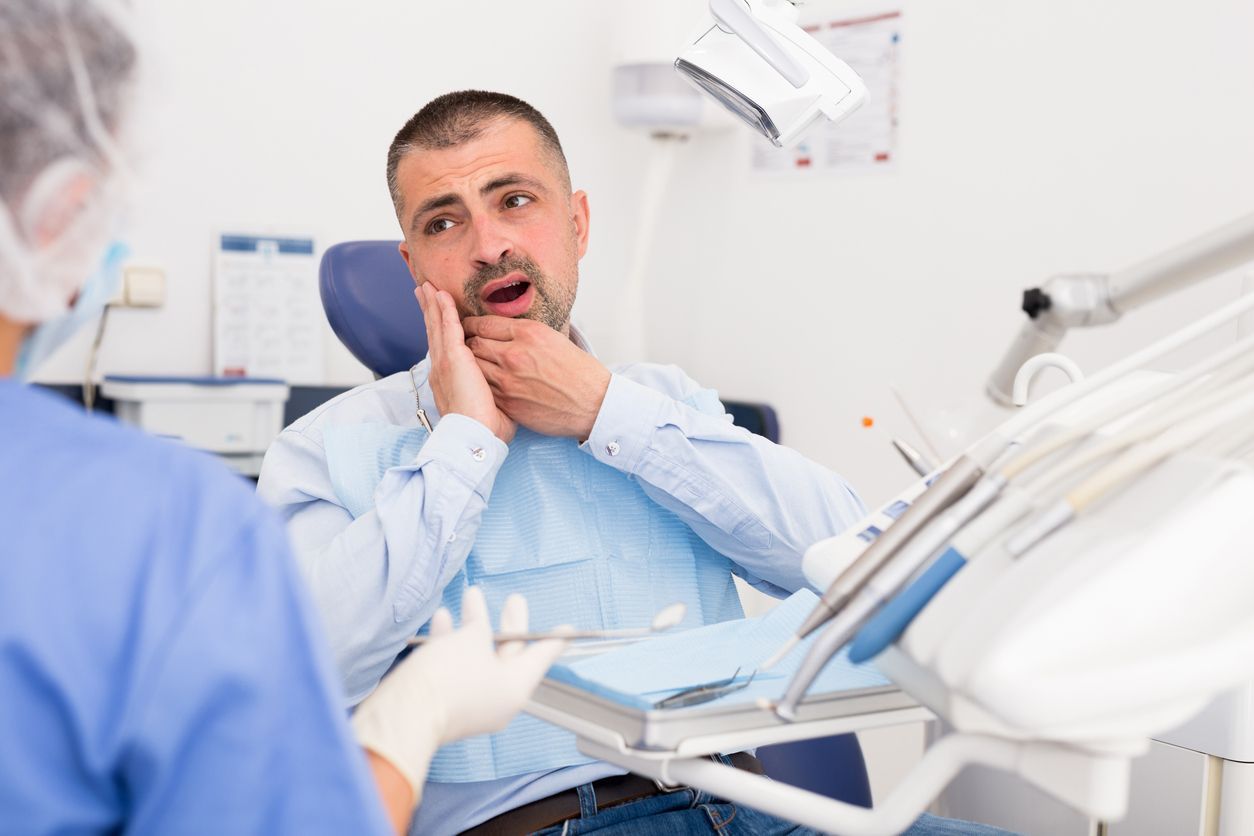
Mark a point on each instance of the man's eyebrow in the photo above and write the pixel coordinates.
(507, 180)
(430, 205)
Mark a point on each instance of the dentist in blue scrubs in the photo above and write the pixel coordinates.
(161, 669)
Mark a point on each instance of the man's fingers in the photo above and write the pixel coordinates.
(492, 373)
(430, 315)
(484, 349)
(491, 327)
(451, 326)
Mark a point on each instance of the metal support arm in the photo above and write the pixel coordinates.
(1096, 784)
(1065, 302)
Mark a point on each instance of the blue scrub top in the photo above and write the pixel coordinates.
(161, 670)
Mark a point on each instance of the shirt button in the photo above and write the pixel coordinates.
(612, 448)
(452, 538)
(478, 454)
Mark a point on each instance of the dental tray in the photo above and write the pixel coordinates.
(612, 697)
(704, 729)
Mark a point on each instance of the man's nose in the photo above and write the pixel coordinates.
(492, 242)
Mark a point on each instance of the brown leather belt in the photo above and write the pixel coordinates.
(610, 792)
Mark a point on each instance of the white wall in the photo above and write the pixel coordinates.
(278, 115)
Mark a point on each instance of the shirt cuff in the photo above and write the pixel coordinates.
(467, 449)
(627, 419)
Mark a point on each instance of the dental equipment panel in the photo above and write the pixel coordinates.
(753, 58)
(235, 418)
(970, 485)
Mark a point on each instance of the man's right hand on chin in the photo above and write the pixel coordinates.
(457, 382)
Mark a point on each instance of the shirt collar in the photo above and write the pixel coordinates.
(577, 337)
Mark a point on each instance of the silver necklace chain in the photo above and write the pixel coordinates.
(421, 413)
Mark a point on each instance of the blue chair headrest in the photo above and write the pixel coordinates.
(368, 295)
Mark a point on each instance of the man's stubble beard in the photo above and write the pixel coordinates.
(553, 301)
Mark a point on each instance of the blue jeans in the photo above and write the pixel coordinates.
(687, 811)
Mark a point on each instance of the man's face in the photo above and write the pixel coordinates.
(493, 222)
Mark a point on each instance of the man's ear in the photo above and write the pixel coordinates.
(55, 200)
(580, 214)
(403, 249)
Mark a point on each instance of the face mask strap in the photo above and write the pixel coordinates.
(42, 278)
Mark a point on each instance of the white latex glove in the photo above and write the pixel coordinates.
(455, 686)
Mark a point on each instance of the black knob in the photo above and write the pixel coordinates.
(1035, 301)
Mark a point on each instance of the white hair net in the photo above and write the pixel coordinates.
(67, 70)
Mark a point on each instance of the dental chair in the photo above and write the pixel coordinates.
(368, 295)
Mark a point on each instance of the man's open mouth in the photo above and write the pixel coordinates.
(509, 296)
(508, 293)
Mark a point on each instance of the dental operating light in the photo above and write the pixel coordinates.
(754, 59)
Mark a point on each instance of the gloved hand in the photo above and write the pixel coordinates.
(455, 686)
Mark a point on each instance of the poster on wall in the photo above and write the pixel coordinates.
(867, 140)
(266, 310)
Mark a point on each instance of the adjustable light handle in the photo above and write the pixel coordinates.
(1035, 337)
(737, 17)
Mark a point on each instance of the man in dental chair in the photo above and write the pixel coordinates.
(602, 494)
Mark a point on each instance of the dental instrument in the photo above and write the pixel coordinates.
(710, 691)
(666, 618)
(913, 457)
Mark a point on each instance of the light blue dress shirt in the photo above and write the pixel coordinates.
(161, 669)
(378, 578)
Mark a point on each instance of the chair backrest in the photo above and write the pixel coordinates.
(368, 295)
(830, 766)
(757, 418)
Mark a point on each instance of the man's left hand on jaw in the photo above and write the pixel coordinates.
(539, 378)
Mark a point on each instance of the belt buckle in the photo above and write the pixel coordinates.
(663, 789)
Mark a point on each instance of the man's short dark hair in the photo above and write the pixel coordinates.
(455, 118)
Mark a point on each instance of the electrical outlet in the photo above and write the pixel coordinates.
(143, 286)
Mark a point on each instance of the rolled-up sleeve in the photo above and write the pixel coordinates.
(759, 503)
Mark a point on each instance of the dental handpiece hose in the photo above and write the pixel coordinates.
(951, 486)
(953, 483)
(883, 585)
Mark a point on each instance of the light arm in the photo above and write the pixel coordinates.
(1066, 302)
